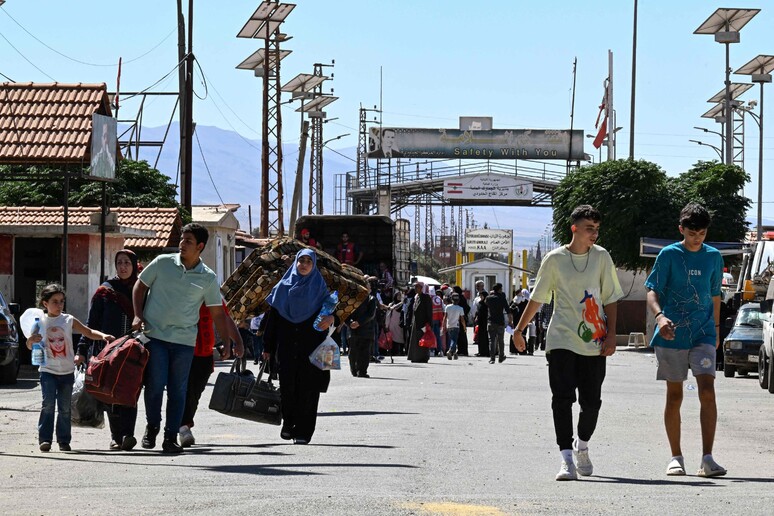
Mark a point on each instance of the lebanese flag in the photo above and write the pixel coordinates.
(603, 127)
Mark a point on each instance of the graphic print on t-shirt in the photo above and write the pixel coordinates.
(591, 316)
(56, 342)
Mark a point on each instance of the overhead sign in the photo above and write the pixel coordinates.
(475, 123)
(542, 144)
(487, 186)
(488, 240)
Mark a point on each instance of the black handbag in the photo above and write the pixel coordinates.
(240, 394)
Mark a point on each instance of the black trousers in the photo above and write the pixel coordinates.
(299, 408)
(121, 420)
(359, 352)
(201, 369)
(568, 372)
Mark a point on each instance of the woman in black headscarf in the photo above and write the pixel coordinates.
(111, 312)
(462, 342)
(422, 316)
(290, 336)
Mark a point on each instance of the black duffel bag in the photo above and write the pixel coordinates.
(240, 394)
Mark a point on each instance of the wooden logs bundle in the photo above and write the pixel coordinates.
(246, 290)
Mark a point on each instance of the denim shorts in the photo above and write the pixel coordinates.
(673, 364)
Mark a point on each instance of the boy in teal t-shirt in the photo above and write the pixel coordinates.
(684, 295)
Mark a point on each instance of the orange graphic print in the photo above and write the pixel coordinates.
(591, 315)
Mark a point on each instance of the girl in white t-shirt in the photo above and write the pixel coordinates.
(56, 376)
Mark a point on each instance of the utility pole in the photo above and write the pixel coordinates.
(185, 85)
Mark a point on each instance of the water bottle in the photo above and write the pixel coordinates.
(38, 348)
(329, 305)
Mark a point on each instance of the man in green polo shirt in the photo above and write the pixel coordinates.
(176, 286)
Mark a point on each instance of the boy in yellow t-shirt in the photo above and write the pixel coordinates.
(582, 280)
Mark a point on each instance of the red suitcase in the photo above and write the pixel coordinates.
(115, 375)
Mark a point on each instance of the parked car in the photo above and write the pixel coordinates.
(742, 345)
(9, 342)
(766, 353)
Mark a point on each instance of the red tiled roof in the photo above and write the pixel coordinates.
(48, 123)
(165, 222)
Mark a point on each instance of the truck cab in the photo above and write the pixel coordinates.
(379, 238)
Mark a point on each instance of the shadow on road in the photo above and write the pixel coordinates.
(282, 469)
(710, 482)
(364, 413)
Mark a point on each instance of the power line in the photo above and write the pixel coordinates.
(212, 84)
(196, 134)
(25, 57)
(158, 81)
(114, 65)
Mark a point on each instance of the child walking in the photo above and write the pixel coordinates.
(56, 376)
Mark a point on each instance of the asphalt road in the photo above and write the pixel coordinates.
(448, 437)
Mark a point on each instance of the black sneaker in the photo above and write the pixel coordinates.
(171, 446)
(128, 443)
(502, 359)
(64, 447)
(45, 446)
(491, 360)
(149, 439)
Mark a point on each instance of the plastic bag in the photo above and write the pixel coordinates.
(85, 410)
(326, 356)
(385, 340)
(428, 339)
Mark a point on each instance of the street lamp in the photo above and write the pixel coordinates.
(759, 69)
(720, 152)
(326, 142)
(722, 140)
(725, 24)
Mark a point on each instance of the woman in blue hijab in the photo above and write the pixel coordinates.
(290, 337)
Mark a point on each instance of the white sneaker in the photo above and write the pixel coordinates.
(186, 437)
(676, 467)
(585, 467)
(567, 472)
(710, 468)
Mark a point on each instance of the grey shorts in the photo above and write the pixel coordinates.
(673, 364)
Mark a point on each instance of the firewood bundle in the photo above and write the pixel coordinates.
(246, 290)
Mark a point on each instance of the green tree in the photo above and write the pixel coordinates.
(137, 185)
(717, 186)
(637, 199)
(631, 195)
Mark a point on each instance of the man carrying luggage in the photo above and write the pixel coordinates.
(176, 285)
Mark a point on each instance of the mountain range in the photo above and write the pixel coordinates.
(227, 170)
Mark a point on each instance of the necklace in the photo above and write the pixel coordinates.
(572, 260)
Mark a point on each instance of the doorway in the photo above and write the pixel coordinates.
(37, 262)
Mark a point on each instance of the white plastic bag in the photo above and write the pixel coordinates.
(326, 356)
(84, 409)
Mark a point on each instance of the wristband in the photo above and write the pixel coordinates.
(660, 312)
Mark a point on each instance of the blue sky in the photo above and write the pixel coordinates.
(511, 60)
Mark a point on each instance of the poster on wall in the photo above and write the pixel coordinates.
(103, 147)
(537, 144)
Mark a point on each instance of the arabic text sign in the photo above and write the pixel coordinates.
(488, 240)
(487, 186)
(401, 142)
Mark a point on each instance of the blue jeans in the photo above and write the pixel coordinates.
(57, 390)
(168, 366)
(452, 334)
(437, 331)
